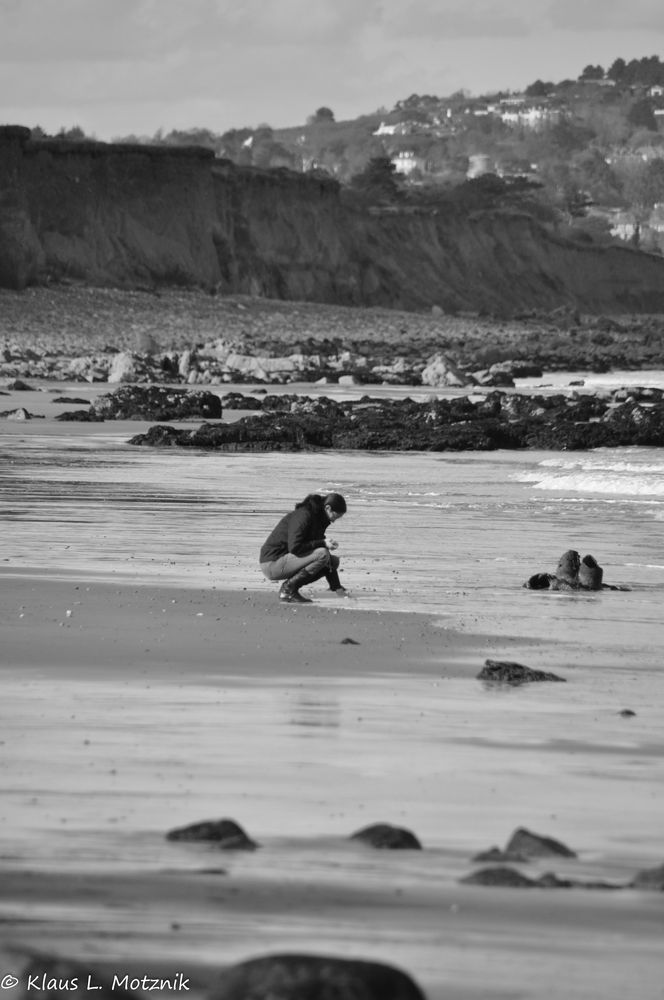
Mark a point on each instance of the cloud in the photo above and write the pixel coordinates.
(607, 15)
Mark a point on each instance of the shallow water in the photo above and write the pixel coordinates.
(453, 534)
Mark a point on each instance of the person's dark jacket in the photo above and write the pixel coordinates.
(299, 532)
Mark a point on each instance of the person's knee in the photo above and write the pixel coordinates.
(334, 562)
(322, 558)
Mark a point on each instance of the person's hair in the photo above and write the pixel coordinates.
(335, 501)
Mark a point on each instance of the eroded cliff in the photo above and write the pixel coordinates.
(138, 216)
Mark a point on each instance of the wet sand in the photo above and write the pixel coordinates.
(129, 710)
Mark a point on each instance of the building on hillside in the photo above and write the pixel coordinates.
(624, 225)
(407, 160)
(532, 117)
(385, 129)
(656, 91)
(478, 164)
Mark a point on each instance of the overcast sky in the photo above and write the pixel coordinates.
(120, 66)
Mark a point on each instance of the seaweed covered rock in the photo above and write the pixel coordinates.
(314, 977)
(153, 402)
(223, 833)
(510, 672)
(386, 836)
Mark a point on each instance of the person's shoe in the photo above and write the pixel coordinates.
(289, 595)
(339, 591)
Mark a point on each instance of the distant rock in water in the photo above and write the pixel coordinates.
(509, 672)
(383, 835)
(314, 977)
(223, 833)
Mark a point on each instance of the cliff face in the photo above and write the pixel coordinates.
(109, 215)
(136, 216)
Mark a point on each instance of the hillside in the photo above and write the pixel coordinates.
(144, 217)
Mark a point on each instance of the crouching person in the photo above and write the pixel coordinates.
(298, 552)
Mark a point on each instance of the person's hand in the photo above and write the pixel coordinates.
(331, 544)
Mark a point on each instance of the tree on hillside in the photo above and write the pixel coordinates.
(321, 116)
(378, 180)
(616, 70)
(539, 89)
(641, 115)
(592, 73)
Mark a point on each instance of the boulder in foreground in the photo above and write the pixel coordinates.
(314, 977)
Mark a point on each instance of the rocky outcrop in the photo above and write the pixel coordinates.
(149, 216)
(499, 420)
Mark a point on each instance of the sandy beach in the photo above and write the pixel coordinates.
(147, 685)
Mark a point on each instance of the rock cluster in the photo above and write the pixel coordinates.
(104, 334)
(497, 420)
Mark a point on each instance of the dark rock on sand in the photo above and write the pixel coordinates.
(533, 845)
(20, 413)
(509, 672)
(223, 833)
(627, 713)
(510, 878)
(314, 977)
(71, 400)
(500, 876)
(383, 835)
(651, 879)
(153, 402)
(82, 416)
(523, 846)
(18, 385)
(349, 642)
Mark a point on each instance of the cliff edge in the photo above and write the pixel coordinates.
(147, 216)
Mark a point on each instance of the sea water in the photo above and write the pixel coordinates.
(452, 534)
